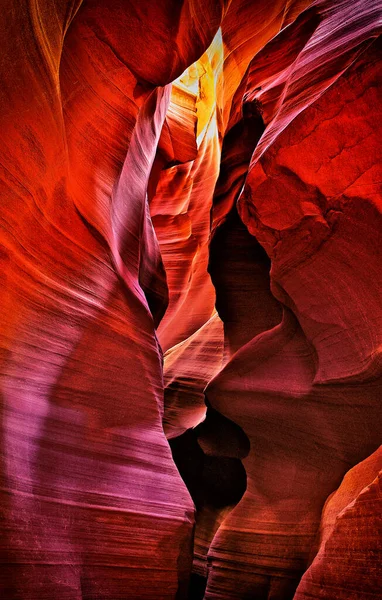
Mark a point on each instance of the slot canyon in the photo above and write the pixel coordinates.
(191, 300)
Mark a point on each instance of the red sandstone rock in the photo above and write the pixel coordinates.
(296, 390)
(188, 367)
(349, 561)
(93, 506)
(181, 205)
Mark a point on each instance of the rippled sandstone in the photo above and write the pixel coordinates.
(190, 288)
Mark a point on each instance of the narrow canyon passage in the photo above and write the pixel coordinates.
(191, 284)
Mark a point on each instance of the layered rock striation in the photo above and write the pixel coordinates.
(190, 284)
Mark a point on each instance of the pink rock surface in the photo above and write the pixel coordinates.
(93, 505)
(296, 390)
(158, 161)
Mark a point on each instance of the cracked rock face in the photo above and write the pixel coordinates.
(190, 346)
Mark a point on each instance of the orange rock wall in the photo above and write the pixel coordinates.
(190, 234)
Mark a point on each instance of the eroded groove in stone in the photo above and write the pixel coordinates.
(190, 324)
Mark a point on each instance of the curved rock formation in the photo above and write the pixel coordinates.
(190, 285)
(296, 389)
(93, 506)
(188, 367)
(180, 207)
(348, 563)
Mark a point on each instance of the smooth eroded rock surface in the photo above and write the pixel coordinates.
(190, 319)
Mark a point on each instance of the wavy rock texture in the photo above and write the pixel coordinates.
(288, 387)
(188, 367)
(190, 251)
(93, 506)
(349, 559)
(181, 204)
